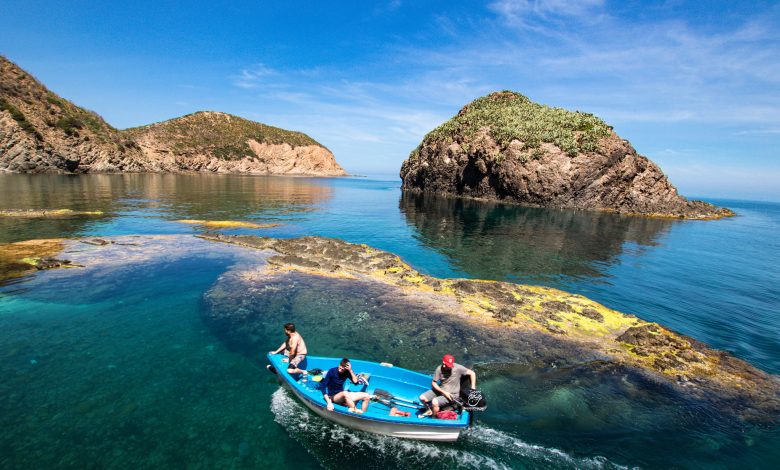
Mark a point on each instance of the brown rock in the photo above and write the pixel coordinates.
(576, 162)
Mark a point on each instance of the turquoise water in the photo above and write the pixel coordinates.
(126, 367)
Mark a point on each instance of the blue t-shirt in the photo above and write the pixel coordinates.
(332, 383)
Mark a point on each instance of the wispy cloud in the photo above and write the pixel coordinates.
(548, 16)
(253, 77)
(662, 70)
(526, 10)
(387, 7)
(758, 132)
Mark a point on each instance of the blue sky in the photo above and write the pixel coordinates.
(695, 86)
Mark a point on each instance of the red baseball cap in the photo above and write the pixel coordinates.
(448, 360)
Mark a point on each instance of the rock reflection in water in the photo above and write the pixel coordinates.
(495, 241)
(171, 196)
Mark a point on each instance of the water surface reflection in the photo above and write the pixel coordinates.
(156, 197)
(501, 241)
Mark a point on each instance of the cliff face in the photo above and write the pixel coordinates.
(41, 132)
(505, 147)
(219, 142)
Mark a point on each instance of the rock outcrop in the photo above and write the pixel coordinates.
(20, 258)
(545, 324)
(40, 132)
(505, 147)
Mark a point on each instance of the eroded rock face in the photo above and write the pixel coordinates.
(567, 160)
(41, 132)
(570, 328)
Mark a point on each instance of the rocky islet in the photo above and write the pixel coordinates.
(505, 147)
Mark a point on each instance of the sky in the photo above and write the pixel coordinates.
(693, 85)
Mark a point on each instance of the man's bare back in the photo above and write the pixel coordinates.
(296, 345)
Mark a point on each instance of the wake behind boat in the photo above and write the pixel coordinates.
(391, 386)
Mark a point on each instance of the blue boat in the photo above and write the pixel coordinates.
(391, 387)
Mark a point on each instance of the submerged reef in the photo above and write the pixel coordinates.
(511, 322)
(20, 258)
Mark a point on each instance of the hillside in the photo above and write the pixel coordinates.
(213, 141)
(505, 147)
(41, 132)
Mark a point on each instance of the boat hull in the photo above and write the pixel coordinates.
(404, 431)
(404, 384)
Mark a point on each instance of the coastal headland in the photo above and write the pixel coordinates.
(41, 132)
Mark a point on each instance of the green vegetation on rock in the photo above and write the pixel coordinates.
(19, 117)
(511, 116)
(220, 134)
(74, 118)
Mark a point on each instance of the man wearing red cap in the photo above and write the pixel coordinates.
(445, 386)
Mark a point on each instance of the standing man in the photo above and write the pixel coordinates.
(445, 385)
(294, 348)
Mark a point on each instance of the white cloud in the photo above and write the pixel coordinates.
(524, 10)
(758, 132)
(662, 71)
(253, 77)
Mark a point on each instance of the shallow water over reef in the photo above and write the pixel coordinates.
(123, 364)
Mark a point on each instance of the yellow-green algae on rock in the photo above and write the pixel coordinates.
(20, 258)
(216, 224)
(46, 213)
(619, 337)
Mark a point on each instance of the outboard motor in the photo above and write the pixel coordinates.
(471, 399)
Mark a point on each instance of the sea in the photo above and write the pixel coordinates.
(120, 367)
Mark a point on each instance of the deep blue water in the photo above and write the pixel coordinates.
(118, 367)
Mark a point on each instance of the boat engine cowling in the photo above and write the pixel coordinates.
(472, 399)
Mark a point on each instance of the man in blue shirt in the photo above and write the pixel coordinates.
(333, 388)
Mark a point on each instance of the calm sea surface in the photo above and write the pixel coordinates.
(117, 367)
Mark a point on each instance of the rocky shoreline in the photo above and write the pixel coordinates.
(571, 328)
